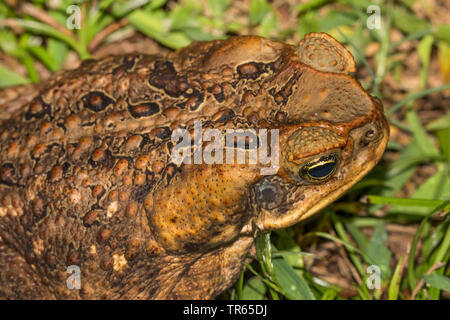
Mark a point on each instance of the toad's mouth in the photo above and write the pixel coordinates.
(314, 199)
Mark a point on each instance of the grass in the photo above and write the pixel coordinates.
(359, 226)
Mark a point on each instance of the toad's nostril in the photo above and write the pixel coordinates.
(370, 133)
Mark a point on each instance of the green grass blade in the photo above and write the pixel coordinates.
(424, 51)
(378, 253)
(394, 286)
(444, 248)
(438, 281)
(404, 201)
(345, 243)
(415, 96)
(218, 7)
(424, 142)
(444, 140)
(443, 32)
(58, 50)
(310, 5)
(44, 57)
(412, 280)
(436, 187)
(441, 123)
(239, 285)
(273, 288)
(360, 239)
(258, 10)
(122, 9)
(408, 22)
(430, 244)
(152, 25)
(409, 37)
(29, 64)
(340, 230)
(41, 28)
(382, 55)
(329, 294)
(295, 286)
(255, 289)
(264, 253)
(9, 78)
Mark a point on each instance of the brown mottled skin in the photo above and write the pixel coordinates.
(86, 176)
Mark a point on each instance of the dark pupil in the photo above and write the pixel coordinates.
(321, 171)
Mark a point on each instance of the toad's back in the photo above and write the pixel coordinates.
(77, 161)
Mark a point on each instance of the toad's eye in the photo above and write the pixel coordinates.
(320, 169)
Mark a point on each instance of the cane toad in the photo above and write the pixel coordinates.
(88, 179)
